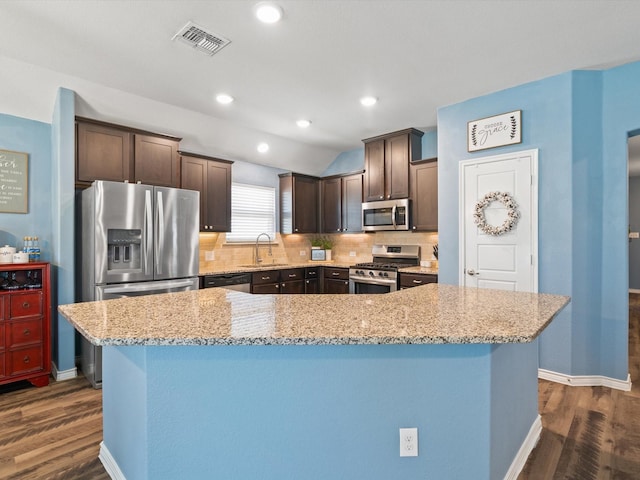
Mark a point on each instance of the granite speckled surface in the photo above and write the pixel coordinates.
(269, 266)
(419, 269)
(430, 314)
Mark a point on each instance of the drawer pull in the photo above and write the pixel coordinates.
(25, 305)
(292, 275)
(26, 359)
(417, 281)
(26, 332)
(335, 274)
(265, 278)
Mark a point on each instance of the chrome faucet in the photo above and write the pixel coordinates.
(257, 253)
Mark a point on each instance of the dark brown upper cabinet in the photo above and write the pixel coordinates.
(386, 163)
(106, 151)
(342, 203)
(103, 153)
(424, 195)
(212, 178)
(299, 199)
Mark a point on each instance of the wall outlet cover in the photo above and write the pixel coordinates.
(303, 253)
(209, 255)
(408, 442)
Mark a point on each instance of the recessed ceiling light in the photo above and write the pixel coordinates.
(268, 12)
(302, 123)
(368, 101)
(224, 98)
(263, 147)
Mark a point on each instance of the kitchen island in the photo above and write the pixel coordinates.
(223, 384)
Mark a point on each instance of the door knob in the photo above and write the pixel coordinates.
(472, 272)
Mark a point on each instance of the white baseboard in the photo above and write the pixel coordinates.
(525, 450)
(586, 380)
(109, 463)
(60, 375)
(634, 290)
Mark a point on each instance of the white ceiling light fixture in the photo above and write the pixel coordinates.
(263, 147)
(268, 12)
(224, 99)
(303, 123)
(368, 101)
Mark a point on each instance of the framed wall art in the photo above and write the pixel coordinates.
(14, 182)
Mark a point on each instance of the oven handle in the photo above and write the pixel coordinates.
(373, 281)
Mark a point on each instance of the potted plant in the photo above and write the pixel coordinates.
(322, 243)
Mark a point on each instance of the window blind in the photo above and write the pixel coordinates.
(253, 211)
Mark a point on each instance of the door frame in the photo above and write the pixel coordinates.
(533, 153)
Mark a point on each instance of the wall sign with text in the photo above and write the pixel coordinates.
(496, 131)
(14, 173)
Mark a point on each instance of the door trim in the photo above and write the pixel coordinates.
(533, 153)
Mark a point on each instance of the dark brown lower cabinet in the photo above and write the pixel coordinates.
(409, 280)
(265, 282)
(336, 280)
(312, 280)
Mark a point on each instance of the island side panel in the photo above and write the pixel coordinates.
(125, 410)
(313, 412)
(514, 401)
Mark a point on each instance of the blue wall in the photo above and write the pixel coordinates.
(580, 122)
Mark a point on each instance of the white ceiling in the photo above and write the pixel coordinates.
(415, 56)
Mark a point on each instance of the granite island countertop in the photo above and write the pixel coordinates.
(430, 314)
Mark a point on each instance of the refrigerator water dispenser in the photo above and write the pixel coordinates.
(124, 249)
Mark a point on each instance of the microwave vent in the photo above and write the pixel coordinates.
(200, 39)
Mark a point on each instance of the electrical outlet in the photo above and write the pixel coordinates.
(303, 253)
(408, 442)
(209, 255)
(352, 254)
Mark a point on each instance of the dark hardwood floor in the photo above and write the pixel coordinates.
(588, 433)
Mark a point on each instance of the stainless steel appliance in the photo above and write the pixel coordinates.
(231, 281)
(135, 240)
(386, 215)
(381, 275)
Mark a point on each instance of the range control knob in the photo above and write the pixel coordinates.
(371, 274)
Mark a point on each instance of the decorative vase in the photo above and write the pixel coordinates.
(328, 255)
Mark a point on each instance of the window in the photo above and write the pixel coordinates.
(253, 211)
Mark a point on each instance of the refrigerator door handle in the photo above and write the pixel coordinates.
(148, 233)
(160, 235)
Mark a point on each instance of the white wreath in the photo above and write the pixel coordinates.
(512, 213)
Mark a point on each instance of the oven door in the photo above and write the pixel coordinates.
(360, 285)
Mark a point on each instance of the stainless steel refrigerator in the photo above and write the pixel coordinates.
(135, 240)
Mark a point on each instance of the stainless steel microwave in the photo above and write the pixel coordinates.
(386, 215)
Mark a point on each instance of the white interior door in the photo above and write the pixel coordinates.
(507, 261)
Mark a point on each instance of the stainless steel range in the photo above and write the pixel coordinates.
(381, 275)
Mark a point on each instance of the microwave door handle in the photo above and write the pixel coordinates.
(393, 216)
(148, 233)
(160, 233)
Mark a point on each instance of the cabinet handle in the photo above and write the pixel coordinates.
(265, 278)
(414, 227)
(26, 332)
(292, 275)
(277, 286)
(26, 359)
(335, 274)
(388, 197)
(296, 229)
(381, 197)
(307, 281)
(417, 281)
(25, 305)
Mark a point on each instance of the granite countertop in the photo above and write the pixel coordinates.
(419, 269)
(430, 314)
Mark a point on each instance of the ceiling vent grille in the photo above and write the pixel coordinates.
(200, 39)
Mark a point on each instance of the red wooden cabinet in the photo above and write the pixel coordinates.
(25, 323)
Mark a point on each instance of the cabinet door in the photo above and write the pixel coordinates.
(267, 288)
(424, 196)
(331, 205)
(218, 200)
(156, 161)
(194, 177)
(311, 285)
(352, 203)
(296, 287)
(103, 153)
(336, 286)
(396, 160)
(374, 170)
(305, 211)
(409, 280)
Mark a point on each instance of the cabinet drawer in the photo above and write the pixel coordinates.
(25, 360)
(25, 304)
(271, 276)
(336, 273)
(291, 274)
(408, 280)
(25, 332)
(312, 272)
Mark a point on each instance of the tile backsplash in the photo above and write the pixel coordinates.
(216, 254)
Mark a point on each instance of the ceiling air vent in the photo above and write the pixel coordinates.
(200, 39)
